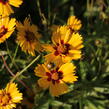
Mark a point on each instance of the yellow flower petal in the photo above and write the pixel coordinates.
(75, 54)
(74, 51)
(15, 3)
(75, 40)
(7, 10)
(48, 47)
(40, 71)
(65, 33)
(12, 23)
(58, 89)
(70, 78)
(67, 68)
(74, 23)
(44, 83)
(50, 57)
(67, 58)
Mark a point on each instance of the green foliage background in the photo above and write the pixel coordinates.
(91, 91)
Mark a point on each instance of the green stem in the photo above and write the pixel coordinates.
(10, 55)
(5, 64)
(42, 16)
(14, 56)
(48, 13)
(20, 73)
(38, 4)
(80, 103)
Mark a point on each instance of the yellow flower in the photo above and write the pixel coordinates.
(73, 23)
(10, 96)
(28, 37)
(7, 27)
(5, 8)
(55, 78)
(65, 47)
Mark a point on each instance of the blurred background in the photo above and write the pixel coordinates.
(91, 91)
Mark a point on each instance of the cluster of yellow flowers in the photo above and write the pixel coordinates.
(58, 68)
(10, 95)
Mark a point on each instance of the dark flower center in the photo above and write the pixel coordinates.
(3, 31)
(55, 76)
(30, 36)
(5, 98)
(4, 1)
(61, 48)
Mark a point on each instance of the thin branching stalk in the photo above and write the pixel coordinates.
(5, 64)
(10, 55)
(22, 71)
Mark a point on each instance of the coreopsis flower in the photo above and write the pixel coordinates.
(5, 6)
(10, 96)
(7, 27)
(55, 78)
(73, 23)
(65, 47)
(28, 37)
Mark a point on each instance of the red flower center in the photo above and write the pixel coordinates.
(4, 1)
(3, 31)
(55, 76)
(61, 48)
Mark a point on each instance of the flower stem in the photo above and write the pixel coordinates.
(80, 103)
(20, 73)
(10, 55)
(5, 64)
(14, 56)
